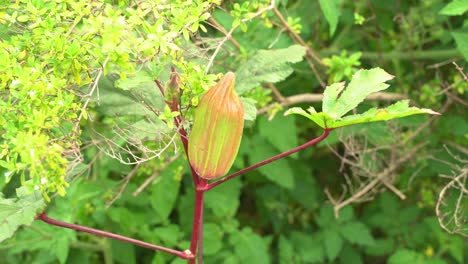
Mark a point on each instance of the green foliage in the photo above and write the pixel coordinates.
(331, 12)
(462, 42)
(342, 67)
(74, 43)
(115, 145)
(338, 100)
(267, 66)
(19, 211)
(455, 8)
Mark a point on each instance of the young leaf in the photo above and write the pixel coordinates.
(17, 212)
(461, 38)
(357, 232)
(455, 8)
(331, 11)
(267, 66)
(364, 82)
(338, 100)
(333, 243)
(250, 247)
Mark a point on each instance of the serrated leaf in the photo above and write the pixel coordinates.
(165, 190)
(461, 38)
(321, 119)
(357, 232)
(17, 212)
(250, 111)
(363, 83)
(398, 110)
(337, 101)
(249, 247)
(128, 98)
(141, 78)
(308, 248)
(224, 199)
(212, 238)
(280, 132)
(267, 66)
(331, 11)
(333, 244)
(455, 8)
(279, 172)
(403, 256)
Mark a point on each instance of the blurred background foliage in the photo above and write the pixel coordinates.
(390, 192)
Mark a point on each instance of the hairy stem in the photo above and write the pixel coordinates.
(269, 160)
(181, 254)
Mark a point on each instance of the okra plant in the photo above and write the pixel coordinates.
(120, 79)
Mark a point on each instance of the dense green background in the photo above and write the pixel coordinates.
(280, 213)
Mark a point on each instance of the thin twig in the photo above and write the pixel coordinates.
(315, 98)
(227, 35)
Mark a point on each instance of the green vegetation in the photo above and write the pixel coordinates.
(88, 136)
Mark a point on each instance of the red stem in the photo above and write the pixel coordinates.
(182, 254)
(197, 218)
(183, 138)
(264, 162)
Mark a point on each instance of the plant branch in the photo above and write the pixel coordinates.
(315, 98)
(297, 38)
(310, 53)
(404, 55)
(269, 160)
(181, 254)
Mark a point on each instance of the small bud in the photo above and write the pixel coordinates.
(171, 91)
(217, 130)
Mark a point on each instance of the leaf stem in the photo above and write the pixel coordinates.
(181, 254)
(269, 160)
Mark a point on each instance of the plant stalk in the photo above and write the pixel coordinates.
(269, 160)
(181, 254)
(197, 219)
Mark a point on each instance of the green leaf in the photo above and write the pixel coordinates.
(308, 247)
(280, 132)
(249, 247)
(357, 232)
(337, 101)
(333, 243)
(404, 256)
(212, 239)
(350, 255)
(286, 251)
(250, 111)
(224, 199)
(165, 190)
(331, 11)
(122, 252)
(134, 96)
(461, 38)
(267, 66)
(279, 172)
(398, 110)
(169, 235)
(17, 212)
(455, 8)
